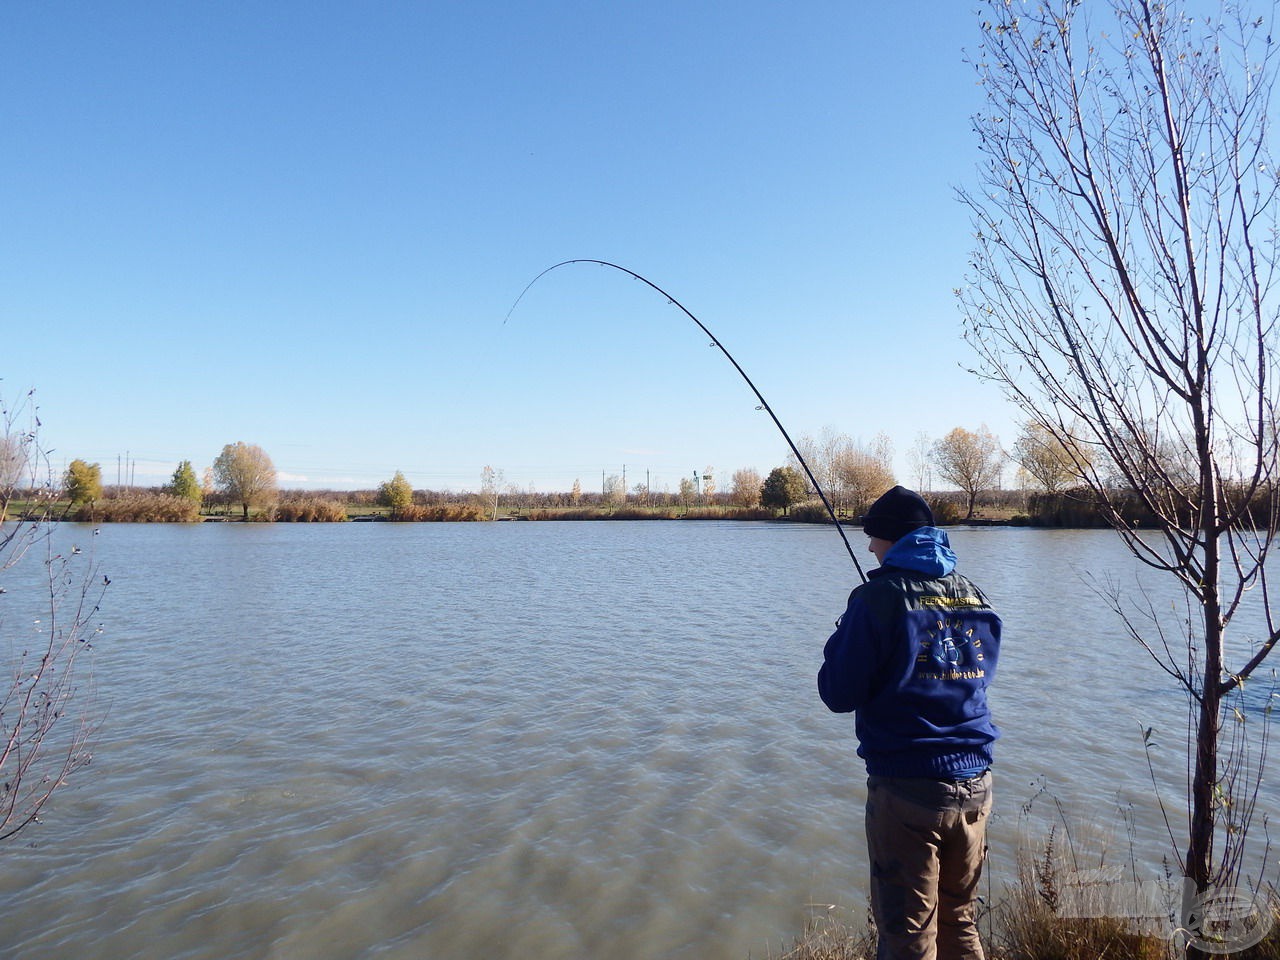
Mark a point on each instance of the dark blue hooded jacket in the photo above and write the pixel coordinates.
(912, 656)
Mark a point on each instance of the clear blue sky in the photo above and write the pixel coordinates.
(301, 225)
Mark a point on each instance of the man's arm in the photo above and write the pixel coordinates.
(846, 679)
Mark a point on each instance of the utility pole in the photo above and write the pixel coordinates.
(624, 483)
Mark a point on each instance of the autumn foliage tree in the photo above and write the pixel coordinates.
(971, 460)
(184, 483)
(1053, 461)
(83, 482)
(783, 488)
(245, 473)
(863, 473)
(396, 493)
(744, 489)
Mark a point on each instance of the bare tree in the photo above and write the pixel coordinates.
(491, 489)
(14, 457)
(45, 717)
(972, 460)
(920, 461)
(708, 485)
(1122, 293)
(688, 491)
(245, 473)
(863, 474)
(820, 455)
(615, 492)
(851, 473)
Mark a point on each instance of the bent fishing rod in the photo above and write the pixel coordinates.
(715, 342)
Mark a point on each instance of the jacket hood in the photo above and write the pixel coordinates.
(926, 550)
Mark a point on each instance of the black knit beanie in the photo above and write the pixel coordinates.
(896, 514)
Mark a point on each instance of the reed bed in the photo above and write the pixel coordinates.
(653, 513)
(139, 508)
(438, 513)
(310, 510)
(595, 513)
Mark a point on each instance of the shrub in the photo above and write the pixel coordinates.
(810, 513)
(946, 511)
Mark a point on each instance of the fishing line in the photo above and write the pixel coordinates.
(715, 342)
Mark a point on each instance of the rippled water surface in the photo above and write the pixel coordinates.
(527, 739)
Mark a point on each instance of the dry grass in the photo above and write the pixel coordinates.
(1269, 948)
(1022, 929)
(1069, 902)
(827, 937)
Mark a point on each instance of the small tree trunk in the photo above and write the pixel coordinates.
(1204, 783)
(1203, 787)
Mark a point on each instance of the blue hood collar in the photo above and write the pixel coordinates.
(925, 550)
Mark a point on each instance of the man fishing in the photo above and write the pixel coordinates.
(912, 657)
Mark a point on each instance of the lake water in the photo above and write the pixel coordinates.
(514, 740)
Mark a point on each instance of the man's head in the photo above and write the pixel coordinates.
(893, 516)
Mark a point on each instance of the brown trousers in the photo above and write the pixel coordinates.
(927, 840)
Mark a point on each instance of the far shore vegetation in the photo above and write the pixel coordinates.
(964, 475)
(1071, 508)
(241, 485)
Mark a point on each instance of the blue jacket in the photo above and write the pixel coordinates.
(912, 656)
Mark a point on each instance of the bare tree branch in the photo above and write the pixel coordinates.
(45, 709)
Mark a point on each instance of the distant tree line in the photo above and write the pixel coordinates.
(971, 466)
